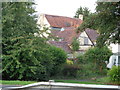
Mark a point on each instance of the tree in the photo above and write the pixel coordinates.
(94, 60)
(19, 24)
(59, 58)
(106, 22)
(75, 44)
(84, 11)
(25, 57)
(18, 19)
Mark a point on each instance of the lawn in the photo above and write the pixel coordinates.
(78, 82)
(16, 82)
(100, 81)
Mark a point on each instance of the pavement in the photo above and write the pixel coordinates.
(59, 86)
(55, 88)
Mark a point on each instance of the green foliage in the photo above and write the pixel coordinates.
(89, 22)
(70, 62)
(59, 58)
(87, 70)
(23, 58)
(34, 60)
(70, 70)
(81, 59)
(18, 19)
(114, 74)
(16, 82)
(98, 55)
(84, 11)
(105, 21)
(18, 46)
(93, 61)
(31, 59)
(75, 44)
(26, 57)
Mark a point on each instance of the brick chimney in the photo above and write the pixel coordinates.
(81, 16)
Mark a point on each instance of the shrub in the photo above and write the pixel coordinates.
(75, 44)
(59, 58)
(70, 62)
(87, 70)
(114, 74)
(24, 56)
(93, 61)
(81, 59)
(70, 70)
(31, 59)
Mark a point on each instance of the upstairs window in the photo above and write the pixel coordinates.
(85, 41)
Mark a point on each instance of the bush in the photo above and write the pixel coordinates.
(70, 70)
(31, 58)
(70, 62)
(81, 59)
(114, 74)
(75, 44)
(59, 58)
(87, 70)
(93, 61)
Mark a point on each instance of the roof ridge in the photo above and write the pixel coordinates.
(61, 16)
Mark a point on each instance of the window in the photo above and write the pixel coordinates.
(85, 41)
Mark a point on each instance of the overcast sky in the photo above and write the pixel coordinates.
(63, 7)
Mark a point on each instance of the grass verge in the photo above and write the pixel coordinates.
(16, 82)
(78, 82)
(100, 81)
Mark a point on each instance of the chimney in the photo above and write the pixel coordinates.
(81, 16)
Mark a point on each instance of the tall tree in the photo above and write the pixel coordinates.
(25, 56)
(106, 21)
(84, 11)
(17, 19)
(18, 26)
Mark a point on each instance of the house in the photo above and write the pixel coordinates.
(63, 29)
(87, 39)
(60, 23)
(114, 47)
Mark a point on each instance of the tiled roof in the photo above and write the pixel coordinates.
(55, 32)
(61, 44)
(67, 35)
(92, 34)
(62, 21)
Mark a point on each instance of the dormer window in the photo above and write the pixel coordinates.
(62, 29)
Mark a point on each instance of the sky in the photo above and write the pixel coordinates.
(63, 7)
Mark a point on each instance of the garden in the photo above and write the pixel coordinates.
(27, 59)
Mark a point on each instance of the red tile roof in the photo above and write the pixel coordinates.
(61, 44)
(68, 35)
(62, 21)
(55, 32)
